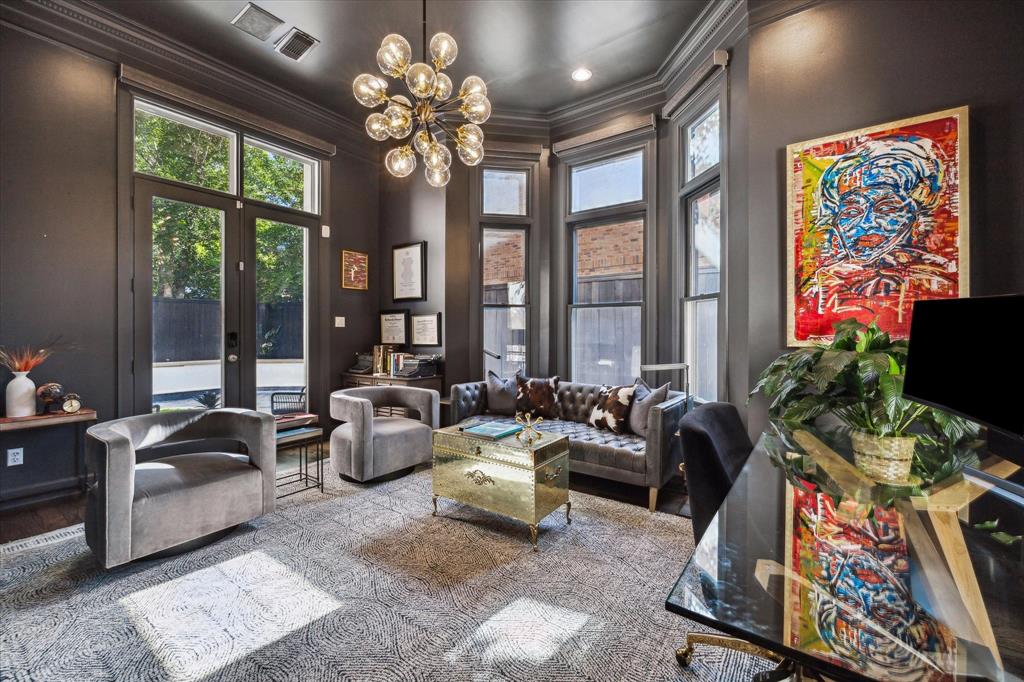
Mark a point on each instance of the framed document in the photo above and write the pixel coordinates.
(355, 270)
(394, 325)
(426, 329)
(409, 272)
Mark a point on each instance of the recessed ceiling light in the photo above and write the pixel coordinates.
(581, 74)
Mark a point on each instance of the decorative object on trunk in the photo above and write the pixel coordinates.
(431, 120)
(529, 434)
(21, 391)
(877, 219)
(355, 270)
(858, 378)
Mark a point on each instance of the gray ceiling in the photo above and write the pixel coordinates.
(524, 50)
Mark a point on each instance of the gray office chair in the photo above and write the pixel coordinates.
(366, 447)
(141, 503)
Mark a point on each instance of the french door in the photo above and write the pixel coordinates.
(222, 301)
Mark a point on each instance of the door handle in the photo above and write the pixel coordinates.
(232, 357)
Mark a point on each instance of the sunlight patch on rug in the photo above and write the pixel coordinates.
(525, 630)
(185, 624)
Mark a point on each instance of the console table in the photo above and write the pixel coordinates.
(352, 380)
(47, 470)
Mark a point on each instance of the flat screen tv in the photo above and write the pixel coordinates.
(966, 356)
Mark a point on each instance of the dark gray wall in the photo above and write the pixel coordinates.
(58, 212)
(843, 65)
(413, 211)
(58, 219)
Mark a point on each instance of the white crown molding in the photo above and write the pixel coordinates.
(95, 29)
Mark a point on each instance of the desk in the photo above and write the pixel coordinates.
(810, 560)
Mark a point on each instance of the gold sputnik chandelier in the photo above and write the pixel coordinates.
(432, 119)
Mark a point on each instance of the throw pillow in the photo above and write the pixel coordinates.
(537, 396)
(645, 399)
(501, 394)
(612, 409)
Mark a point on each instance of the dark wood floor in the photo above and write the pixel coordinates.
(47, 516)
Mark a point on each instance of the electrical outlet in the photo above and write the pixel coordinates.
(339, 321)
(15, 456)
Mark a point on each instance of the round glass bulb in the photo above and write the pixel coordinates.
(437, 178)
(394, 55)
(443, 89)
(399, 121)
(421, 80)
(377, 126)
(470, 156)
(370, 90)
(437, 157)
(421, 141)
(476, 108)
(443, 49)
(473, 85)
(400, 161)
(470, 135)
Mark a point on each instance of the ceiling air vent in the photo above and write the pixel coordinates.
(256, 21)
(296, 44)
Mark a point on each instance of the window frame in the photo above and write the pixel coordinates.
(638, 134)
(528, 172)
(605, 157)
(313, 180)
(524, 228)
(686, 191)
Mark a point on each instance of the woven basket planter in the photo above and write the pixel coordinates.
(885, 459)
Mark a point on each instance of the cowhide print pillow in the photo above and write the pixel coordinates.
(537, 396)
(612, 408)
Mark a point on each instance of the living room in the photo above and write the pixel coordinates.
(581, 339)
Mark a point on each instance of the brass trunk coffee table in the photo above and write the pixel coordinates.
(526, 481)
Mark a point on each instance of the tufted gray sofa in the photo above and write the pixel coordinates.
(627, 458)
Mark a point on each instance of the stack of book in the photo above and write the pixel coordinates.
(294, 421)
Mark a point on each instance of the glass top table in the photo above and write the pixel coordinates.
(810, 559)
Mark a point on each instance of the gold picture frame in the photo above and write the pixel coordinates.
(944, 215)
(355, 270)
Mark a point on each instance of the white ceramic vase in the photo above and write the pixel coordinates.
(21, 396)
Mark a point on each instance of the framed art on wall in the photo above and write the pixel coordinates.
(394, 326)
(409, 272)
(355, 270)
(426, 329)
(877, 218)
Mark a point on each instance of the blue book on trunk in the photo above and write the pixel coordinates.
(493, 431)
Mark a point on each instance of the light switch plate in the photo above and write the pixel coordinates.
(15, 456)
(339, 321)
(325, 231)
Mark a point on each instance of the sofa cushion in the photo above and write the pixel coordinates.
(625, 451)
(612, 409)
(183, 497)
(501, 394)
(537, 396)
(643, 400)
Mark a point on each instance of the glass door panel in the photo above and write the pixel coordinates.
(188, 305)
(281, 316)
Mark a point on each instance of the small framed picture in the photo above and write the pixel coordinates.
(355, 270)
(426, 329)
(409, 272)
(394, 326)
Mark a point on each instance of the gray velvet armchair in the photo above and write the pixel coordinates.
(137, 506)
(366, 447)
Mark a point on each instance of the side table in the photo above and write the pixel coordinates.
(304, 438)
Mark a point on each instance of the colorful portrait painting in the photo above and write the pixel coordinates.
(877, 219)
(852, 603)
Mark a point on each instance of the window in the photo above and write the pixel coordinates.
(700, 204)
(607, 297)
(504, 192)
(172, 145)
(504, 300)
(608, 182)
(280, 177)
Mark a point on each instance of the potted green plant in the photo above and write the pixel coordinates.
(858, 378)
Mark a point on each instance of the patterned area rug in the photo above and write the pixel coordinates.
(363, 583)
